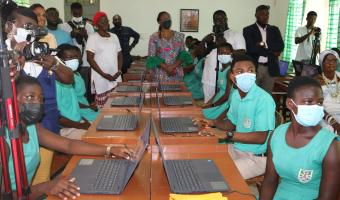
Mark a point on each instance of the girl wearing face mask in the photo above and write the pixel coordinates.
(303, 158)
(76, 113)
(164, 48)
(219, 103)
(30, 101)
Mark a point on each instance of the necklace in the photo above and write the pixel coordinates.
(328, 82)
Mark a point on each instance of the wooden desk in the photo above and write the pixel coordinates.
(280, 94)
(182, 138)
(92, 135)
(160, 189)
(137, 188)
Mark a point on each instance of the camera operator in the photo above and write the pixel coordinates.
(45, 67)
(220, 29)
(305, 37)
(79, 28)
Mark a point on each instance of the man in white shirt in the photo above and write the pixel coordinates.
(79, 28)
(304, 37)
(234, 38)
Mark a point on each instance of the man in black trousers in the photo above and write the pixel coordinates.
(264, 43)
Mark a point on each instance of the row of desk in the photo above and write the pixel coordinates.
(149, 180)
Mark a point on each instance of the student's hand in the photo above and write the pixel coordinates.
(83, 32)
(203, 123)
(117, 75)
(63, 187)
(46, 61)
(336, 127)
(84, 125)
(122, 152)
(109, 77)
(94, 107)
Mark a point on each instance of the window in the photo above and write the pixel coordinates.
(25, 3)
(333, 25)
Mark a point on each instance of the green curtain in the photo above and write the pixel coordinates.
(25, 3)
(333, 24)
(296, 10)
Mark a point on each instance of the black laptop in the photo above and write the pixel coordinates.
(189, 176)
(109, 176)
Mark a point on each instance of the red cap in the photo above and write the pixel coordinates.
(97, 16)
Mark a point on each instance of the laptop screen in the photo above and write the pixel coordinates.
(283, 67)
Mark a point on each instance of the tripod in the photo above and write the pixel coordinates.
(316, 50)
(9, 120)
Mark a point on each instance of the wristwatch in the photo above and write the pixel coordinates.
(229, 135)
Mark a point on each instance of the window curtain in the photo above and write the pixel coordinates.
(296, 10)
(25, 3)
(333, 24)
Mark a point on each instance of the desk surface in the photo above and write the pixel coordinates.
(160, 189)
(137, 188)
(92, 135)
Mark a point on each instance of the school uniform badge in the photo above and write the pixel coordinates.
(305, 175)
(246, 123)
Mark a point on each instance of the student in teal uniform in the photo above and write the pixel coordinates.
(250, 118)
(72, 57)
(303, 158)
(30, 102)
(76, 117)
(192, 68)
(220, 102)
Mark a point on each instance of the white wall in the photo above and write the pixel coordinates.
(141, 14)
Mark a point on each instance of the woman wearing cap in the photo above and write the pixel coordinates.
(105, 58)
(164, 47)
(329, 80)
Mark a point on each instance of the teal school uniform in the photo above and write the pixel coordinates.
(192, 81)
(254, 112)
(300, 169)
(80, 90)
(31, 155)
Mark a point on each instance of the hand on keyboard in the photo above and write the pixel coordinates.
(203, 123)
(63, 187)
(122, 152)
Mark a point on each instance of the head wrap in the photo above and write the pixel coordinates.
(325, 53)
(97, 16)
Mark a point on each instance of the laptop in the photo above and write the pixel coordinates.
(127, 100)
(175, 124)
(125, 122)
(131, 88)
(176, 100)
(283, 67)
(305, 69)
(170, 87)
(189, 176)
(109, 176)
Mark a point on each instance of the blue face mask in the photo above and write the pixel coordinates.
(245, 81)
(224, 59)
(308, 115)
(73, 64)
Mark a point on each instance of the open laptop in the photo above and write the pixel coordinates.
(176, 100)
(170, 87)
(127, 100)
(109, 176)
(188, 176)
(283, 67)
(175, 124)
(305, 69)
(131, 88)
(125, 122)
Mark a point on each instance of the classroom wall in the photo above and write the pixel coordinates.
(141, 14)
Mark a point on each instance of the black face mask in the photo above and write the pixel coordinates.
(118, 24)
(31, 113)
(166, 24)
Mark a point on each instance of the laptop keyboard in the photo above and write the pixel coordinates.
(170, 88)
(121, 101)
(186, 176)
(128, 88)
(106, 176)
(123, 120)
(177, 100)
(178, 124)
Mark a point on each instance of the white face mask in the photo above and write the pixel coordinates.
(77, 19)
(309, 115)
(21, 34)
(224, 59)
(245, 81)
(73, 64)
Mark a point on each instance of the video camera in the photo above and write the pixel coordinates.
(35, 49)
(218, 30)
(317, 32)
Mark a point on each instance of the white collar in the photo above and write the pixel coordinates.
(258, 25)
